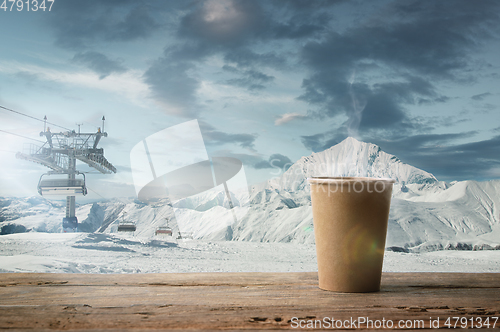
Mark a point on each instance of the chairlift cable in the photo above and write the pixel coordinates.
(118, 198)
(95, 192)
(32, 117)
(33, 139)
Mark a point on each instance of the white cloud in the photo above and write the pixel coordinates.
(287, 117)
(211, 90)
(128, 85)
(493, 172)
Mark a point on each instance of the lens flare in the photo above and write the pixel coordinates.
(361, 244)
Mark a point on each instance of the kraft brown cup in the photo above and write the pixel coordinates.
(350, 216)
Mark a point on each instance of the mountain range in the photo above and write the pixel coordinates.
(426, 214)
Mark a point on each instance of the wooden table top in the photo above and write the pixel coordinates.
(229, 301)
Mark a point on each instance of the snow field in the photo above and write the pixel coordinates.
(105, 253)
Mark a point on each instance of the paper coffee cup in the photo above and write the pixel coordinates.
(350, 216)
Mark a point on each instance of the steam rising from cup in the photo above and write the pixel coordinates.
(357, 109)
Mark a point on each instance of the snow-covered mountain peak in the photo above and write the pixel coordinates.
(351, 158)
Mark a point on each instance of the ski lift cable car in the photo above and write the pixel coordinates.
(164, 230)
(48, 185)
(126, 226)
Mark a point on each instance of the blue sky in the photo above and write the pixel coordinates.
(267, 80)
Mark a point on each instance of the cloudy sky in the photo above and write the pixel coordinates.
(267, 80)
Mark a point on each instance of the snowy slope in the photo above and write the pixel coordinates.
(118, 253)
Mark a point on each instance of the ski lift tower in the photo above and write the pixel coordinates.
(59, 153)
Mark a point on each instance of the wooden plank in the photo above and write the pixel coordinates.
(235, 300)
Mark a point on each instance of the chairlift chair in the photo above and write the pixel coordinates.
(126, 226)
(162, 230)
(61, 186)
